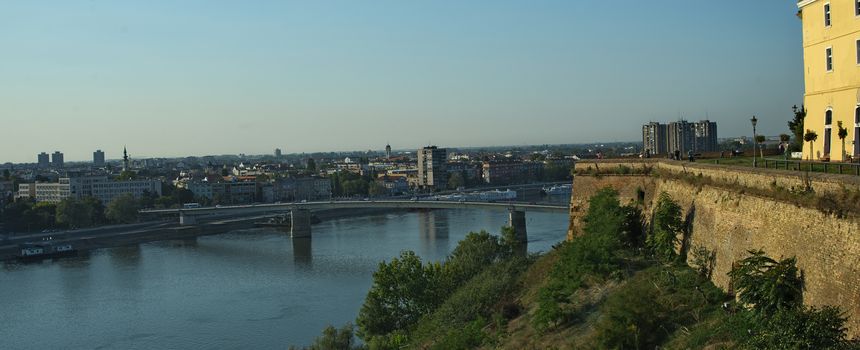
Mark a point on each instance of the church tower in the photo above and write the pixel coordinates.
(388, 152)
(124, 159)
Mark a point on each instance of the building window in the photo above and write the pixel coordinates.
(827, 14)
(857, 7)
(829, 58)
(857, 129)
(858, 49)
(828, 127)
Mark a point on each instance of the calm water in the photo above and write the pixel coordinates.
(245, 288)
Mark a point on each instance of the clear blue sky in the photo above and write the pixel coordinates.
(172, 78)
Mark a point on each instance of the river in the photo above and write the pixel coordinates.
(245, 289)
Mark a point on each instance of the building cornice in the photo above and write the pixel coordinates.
(802, 3)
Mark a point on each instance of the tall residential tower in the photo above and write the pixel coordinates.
(432, 172)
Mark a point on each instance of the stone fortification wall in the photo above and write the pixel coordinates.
(729, 221)
(760, 178)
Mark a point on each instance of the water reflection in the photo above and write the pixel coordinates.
(302, 255)
(127, 256)
(183, 243)
(433, 229)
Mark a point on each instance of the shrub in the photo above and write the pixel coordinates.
(765, 284)
(666, 225)
(802, 328)
(335, 339)
(650, 306)
(475, 300)
(402, 291)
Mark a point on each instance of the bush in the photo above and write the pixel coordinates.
(666, 225)
(767, 285)
(803, 328)
(469, 337)
(335, 339)
(402, 291)
(471, 256)
(596, 254)
(477, 299)
(652, 305)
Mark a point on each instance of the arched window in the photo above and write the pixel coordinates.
(828, 128)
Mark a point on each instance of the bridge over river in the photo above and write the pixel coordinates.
(300, 213)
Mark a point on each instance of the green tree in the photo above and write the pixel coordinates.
(147, 200)
(334, 339)
(312, 166)
(765, 284)
(811, 137)
(127, 175)
(18, 215)
(7, 175)
(804, 328)
(74, 213)
(184, 195)
(354, 187)
(43, 215)
(98, 210)
(796, 127)
(456, 181)
(123, 209)
(376, 189)
(842, 133)
(760, 139)
(402, 291)
(667, 224)
(471, 256)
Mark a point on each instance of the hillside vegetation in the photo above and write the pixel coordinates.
(618, 286)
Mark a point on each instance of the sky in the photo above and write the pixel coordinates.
(177, 78)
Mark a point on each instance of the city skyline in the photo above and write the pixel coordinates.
(203, 78)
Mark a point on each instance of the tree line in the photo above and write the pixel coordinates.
(27, 215)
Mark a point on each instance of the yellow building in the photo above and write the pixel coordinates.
(831, 56)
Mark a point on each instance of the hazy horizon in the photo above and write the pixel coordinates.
(204, 78)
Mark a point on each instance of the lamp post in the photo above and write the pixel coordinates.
(755, 146)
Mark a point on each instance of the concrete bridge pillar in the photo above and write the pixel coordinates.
(300, 222)
(518, 222)
(186, 220)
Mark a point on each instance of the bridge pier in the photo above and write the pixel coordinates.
(186, 220)
(300, 223)
(518, 222)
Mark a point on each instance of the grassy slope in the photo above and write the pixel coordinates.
(668, 294)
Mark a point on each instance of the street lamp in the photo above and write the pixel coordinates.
(755, 148)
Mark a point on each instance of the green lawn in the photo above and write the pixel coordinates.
(778, 163)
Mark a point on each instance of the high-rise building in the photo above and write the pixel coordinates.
(57, 159)
(654, 138)
(98, 158)
(831, 59)
(388, 152)
(277, 153)
(681, 136)
(706, 136)
(44, 160)
(432, 173)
